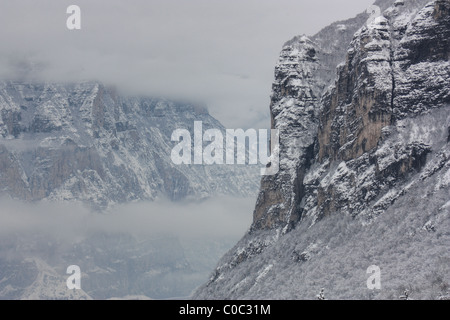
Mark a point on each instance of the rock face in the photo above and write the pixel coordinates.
(356, 150)
(305, 69)
(85, 142)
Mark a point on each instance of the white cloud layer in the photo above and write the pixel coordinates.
(213, 219)
(222, 52)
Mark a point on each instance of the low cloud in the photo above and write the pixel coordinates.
(222, 217)
(220, 52)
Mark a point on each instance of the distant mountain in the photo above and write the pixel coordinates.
(364, 165)
(85, 142)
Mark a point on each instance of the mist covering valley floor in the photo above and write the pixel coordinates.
(147, 250)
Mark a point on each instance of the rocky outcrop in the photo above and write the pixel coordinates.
(381, 83)
(421, 62)
(375, 86)
(304, 70)
(293, 108)
(359, 105)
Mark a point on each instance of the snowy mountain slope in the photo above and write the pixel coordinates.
(335, 253)
(85, 142)
(364, 165)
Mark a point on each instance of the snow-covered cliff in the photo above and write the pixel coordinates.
(364, 167)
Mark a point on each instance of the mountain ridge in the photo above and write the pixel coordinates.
(84, 141)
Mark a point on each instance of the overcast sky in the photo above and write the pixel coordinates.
(221, 52)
